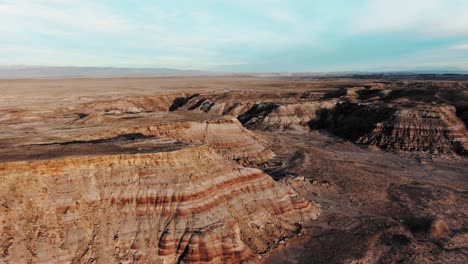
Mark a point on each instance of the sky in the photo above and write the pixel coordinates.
(237, 35)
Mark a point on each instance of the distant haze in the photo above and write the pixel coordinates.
(40, 72)
(16, 72)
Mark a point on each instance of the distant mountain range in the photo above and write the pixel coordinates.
(24, 71)
(17, 72)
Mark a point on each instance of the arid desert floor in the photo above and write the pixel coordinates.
(234, 169)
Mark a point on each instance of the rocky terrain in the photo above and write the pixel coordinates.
(233, 169)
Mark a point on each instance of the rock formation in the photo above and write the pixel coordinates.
(432, 129)
(295, 117)
(140, 175)
(122, 181)
(422, 117)
(260, 111)
(185, 205)
(423, 128)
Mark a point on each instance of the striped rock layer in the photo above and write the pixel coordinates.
(225, 134)
(434, 129)
(188, 205)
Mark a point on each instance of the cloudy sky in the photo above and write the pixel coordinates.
(237, 35)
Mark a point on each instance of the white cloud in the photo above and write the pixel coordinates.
(439, 18)
(282, 15)
(89, 32)
(462, 46)
(62, 16)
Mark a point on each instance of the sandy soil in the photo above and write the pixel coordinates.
(377, 205)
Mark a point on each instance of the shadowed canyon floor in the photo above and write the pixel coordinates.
(233, 169)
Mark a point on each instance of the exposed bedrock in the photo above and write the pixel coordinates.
(293, 117)
(237, 103)
(225, 134)
(188, 205)
(134, 104)
(421, 127)
(436, 130)
(410, 119)
(260, 112)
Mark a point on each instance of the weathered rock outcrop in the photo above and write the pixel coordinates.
(434, 129)
(270, 116)
(133, 104)
(213, 104)
(224, 134)
(419, 127)
(259, 111)
(188, 205)
(149, 170)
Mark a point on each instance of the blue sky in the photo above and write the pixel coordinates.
(237, 35)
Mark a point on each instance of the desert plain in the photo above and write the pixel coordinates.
(234, 169)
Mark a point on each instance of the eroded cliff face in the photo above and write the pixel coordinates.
(189, 205)
(125, 181)
(165, 179)
(260, 111)
(420, 128)
(286, 117)
(435, 130)
(425, 117)
(226, 135)
(223, 133)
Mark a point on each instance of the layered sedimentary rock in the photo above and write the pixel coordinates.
(124, 181)
(269, 116)
(411, 119)
(260, 111)
(189, 205)
(134, 104)
(420, 127)
(212, 104)
(224, 134)
(434, 129)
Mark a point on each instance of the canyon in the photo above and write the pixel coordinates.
(234, 169)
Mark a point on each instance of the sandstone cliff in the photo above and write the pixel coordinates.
(188, 205)
(428, 118)
(424, 128)
(435, 130)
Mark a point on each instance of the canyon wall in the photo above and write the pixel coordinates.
(189, 205)
(428, 118)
